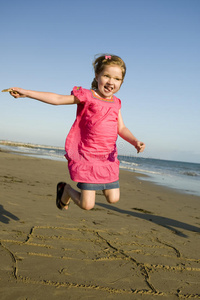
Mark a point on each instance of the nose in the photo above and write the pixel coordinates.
(110, 80)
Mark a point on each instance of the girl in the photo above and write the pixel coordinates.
(91, 143)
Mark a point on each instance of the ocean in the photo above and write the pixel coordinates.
(182, 176)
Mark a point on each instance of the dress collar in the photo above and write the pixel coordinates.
(96, 96)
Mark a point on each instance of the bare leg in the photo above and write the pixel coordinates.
(112, 195)
(85, 199)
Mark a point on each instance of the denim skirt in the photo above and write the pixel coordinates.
(98, 186)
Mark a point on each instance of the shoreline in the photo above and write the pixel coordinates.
(144, 246)
(139, 175)
(26, 145)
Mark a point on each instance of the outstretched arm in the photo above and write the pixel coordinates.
(125, 134)
(46, 97)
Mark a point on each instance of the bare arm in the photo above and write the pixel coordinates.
(46, 97)
(126, 134)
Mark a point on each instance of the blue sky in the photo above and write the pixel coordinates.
(50, 46)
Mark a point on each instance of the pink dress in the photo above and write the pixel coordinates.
(91, 143)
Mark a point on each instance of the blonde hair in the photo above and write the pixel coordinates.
(107, 60)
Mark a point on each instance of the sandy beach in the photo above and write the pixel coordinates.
(144, 247)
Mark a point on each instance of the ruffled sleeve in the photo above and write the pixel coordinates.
(79, 93)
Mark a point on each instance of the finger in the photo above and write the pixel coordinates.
(142, 149)
(15, 94)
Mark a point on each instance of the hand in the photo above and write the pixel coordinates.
(17, 92)
(140, 146)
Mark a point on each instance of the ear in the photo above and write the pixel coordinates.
(96, 77)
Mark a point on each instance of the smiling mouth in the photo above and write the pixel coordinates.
(108, 88)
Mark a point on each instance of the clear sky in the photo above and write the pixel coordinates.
(50, 45)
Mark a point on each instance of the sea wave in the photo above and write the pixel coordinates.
(140, 170)
(190, 173)
(128, 163)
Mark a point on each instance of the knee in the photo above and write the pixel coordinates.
(113, 200)
(112, 196)
(87, 206)
(87, 201)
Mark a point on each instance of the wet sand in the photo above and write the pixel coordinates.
(144, 247)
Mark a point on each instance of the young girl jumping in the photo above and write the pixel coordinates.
(91, 143)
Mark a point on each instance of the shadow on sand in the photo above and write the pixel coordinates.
(168, 223)
(5, 216)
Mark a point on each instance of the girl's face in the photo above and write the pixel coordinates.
(109, 81)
